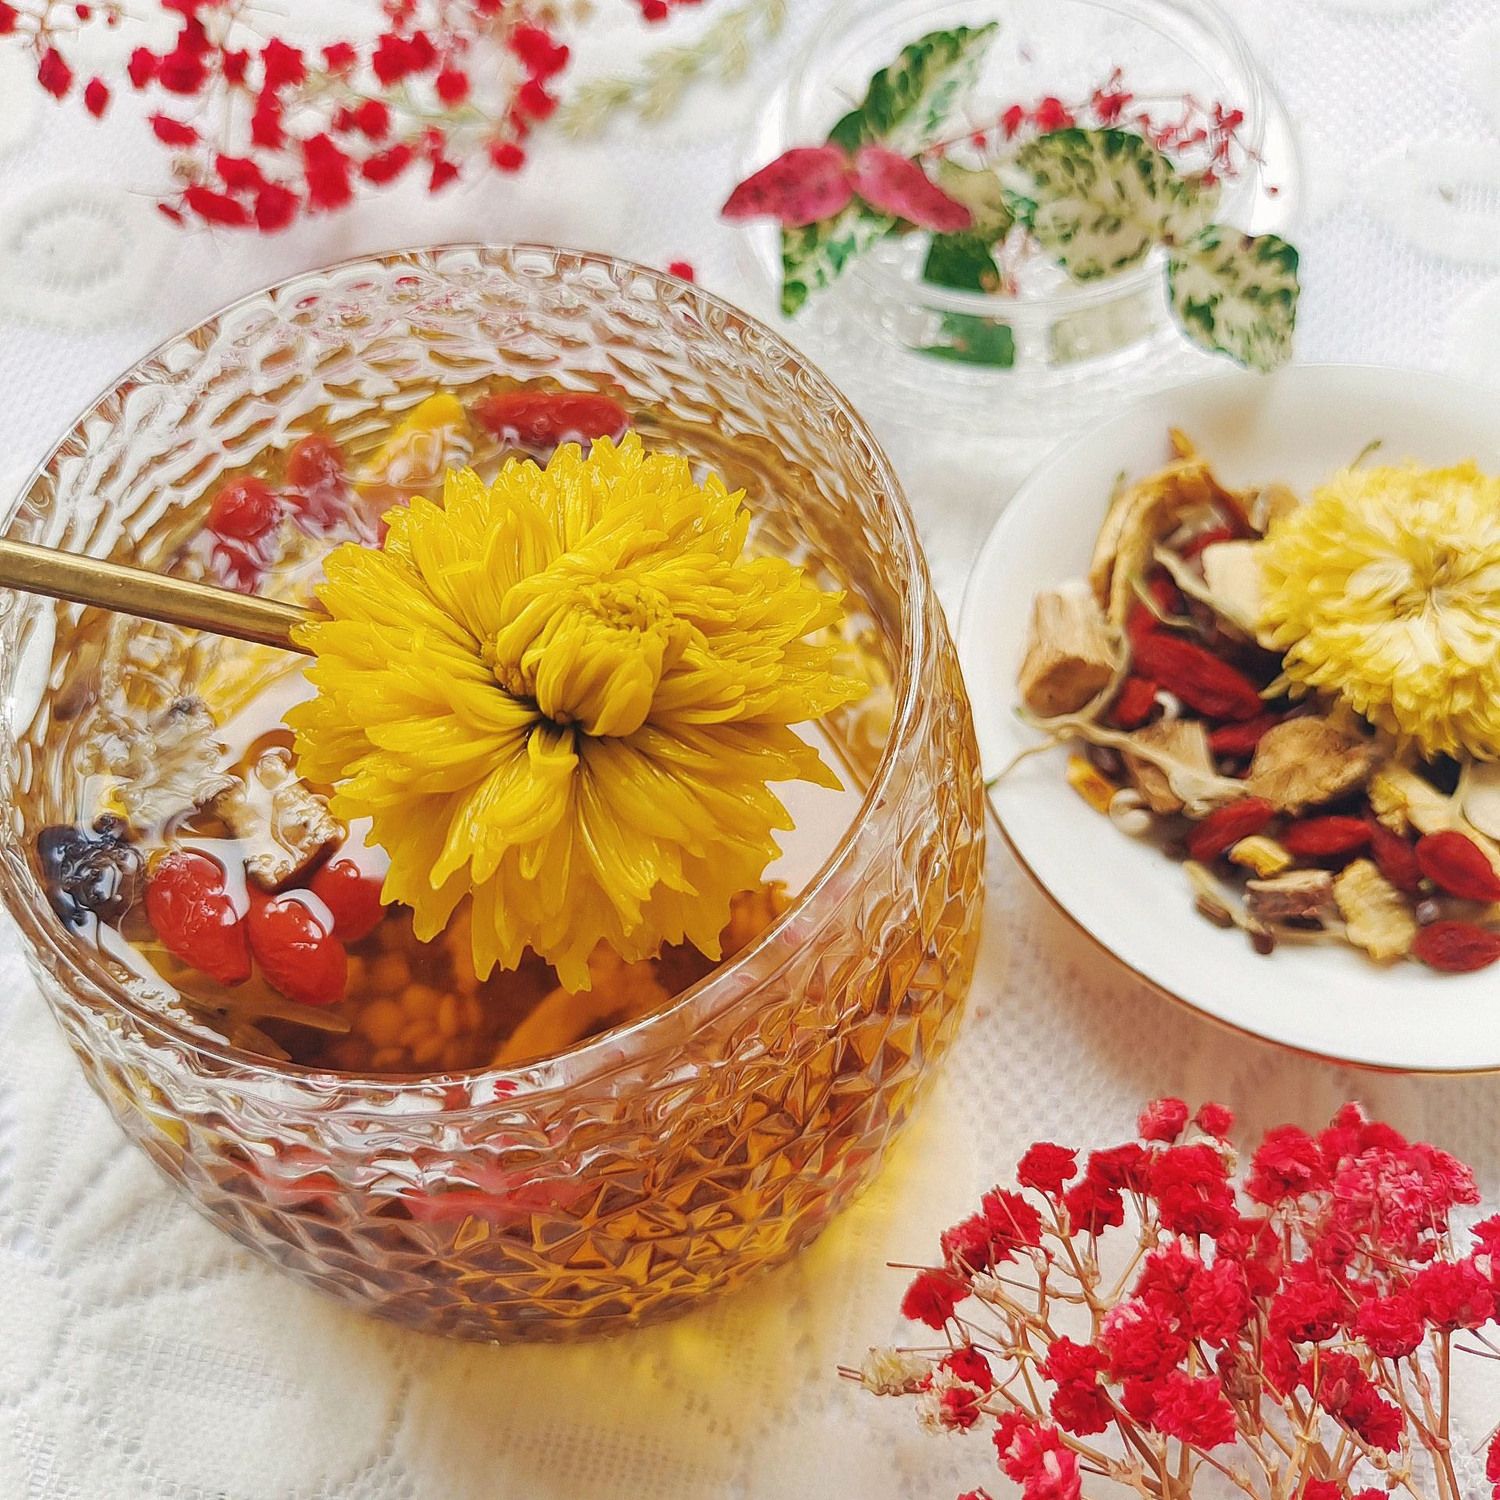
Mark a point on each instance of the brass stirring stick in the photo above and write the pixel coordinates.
(147, 595)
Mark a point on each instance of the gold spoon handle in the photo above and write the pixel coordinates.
(148, 596)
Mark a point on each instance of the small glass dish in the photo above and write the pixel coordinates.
(653, 1163)
(889, 336)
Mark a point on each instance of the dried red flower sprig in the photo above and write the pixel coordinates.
(1140, 1317)
(261, 130)
(659, 10)
(808, 184)
(1207, 138)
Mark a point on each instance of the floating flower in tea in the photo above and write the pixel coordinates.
(563, 696)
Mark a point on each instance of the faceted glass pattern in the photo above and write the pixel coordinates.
(671, 1158)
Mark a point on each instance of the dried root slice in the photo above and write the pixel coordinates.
(1198, 791)
(1236, 588)
(1308, 761)
(1223, 908)
(173, 763)
(285, 827)
(1139, 517)
(1152, 753)
(1377, 915)
(1479, 797)
(1071, 654)
(1301, 896)
(1261, 855)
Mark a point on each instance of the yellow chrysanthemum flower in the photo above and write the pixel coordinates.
(564, 695)
(1385, 590)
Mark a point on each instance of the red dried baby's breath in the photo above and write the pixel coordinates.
(448, 82)
(1324, 1286)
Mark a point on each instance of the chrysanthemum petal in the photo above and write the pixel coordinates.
(563, 696)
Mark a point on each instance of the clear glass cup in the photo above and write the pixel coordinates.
(655, 1163)
(1071, 345)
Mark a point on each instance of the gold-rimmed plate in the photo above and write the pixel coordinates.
(1296, 427)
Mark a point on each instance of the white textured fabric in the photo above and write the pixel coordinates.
(143, 1356)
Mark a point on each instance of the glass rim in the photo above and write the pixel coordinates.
(1210, 21)
(598, 1055)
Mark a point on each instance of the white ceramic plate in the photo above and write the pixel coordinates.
(1296, 426)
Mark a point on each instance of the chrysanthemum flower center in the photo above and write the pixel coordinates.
(588, 648)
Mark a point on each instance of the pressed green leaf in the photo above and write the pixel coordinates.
(973, 340)
(965, 262)
(908, 102)
(904, 108)
(1236, 294)
(1098, 200)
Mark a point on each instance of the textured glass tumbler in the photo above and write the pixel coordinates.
(655, 1163)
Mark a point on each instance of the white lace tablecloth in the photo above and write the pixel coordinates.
(143, 1356)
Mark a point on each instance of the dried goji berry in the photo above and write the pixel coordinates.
(1456, 947)
(1456, 864)
(296, 949)
(317, 483)
(1207, 539)
(352, 896)
(1395, 858)
(1325, 838)
(1210, 686)
(1223, 828)
(1166, 595)
(244, 509)
(189, 907)
(1241, 738)
(1139, 623)
(543, 419)
(1135, 704)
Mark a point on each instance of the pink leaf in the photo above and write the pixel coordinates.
(801, 186)
(897, 185)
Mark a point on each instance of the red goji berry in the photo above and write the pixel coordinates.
(1455, 863)
(543, 419)
(1135, 703)
(244, 510)
(1166, 595)
(1456, 947)
(1241, 738)
(317, 483)
(1199, 678)
(1325, 838)
(1223, 828)
(1395, 858)
(1139, 623)
(296, 949)
(352, 896)
(189, 906)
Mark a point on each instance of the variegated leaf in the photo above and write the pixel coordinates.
(1098, 200)
(816, 255)
(1236, 294)
(966, 260)
(907, 103)
(904, 108)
